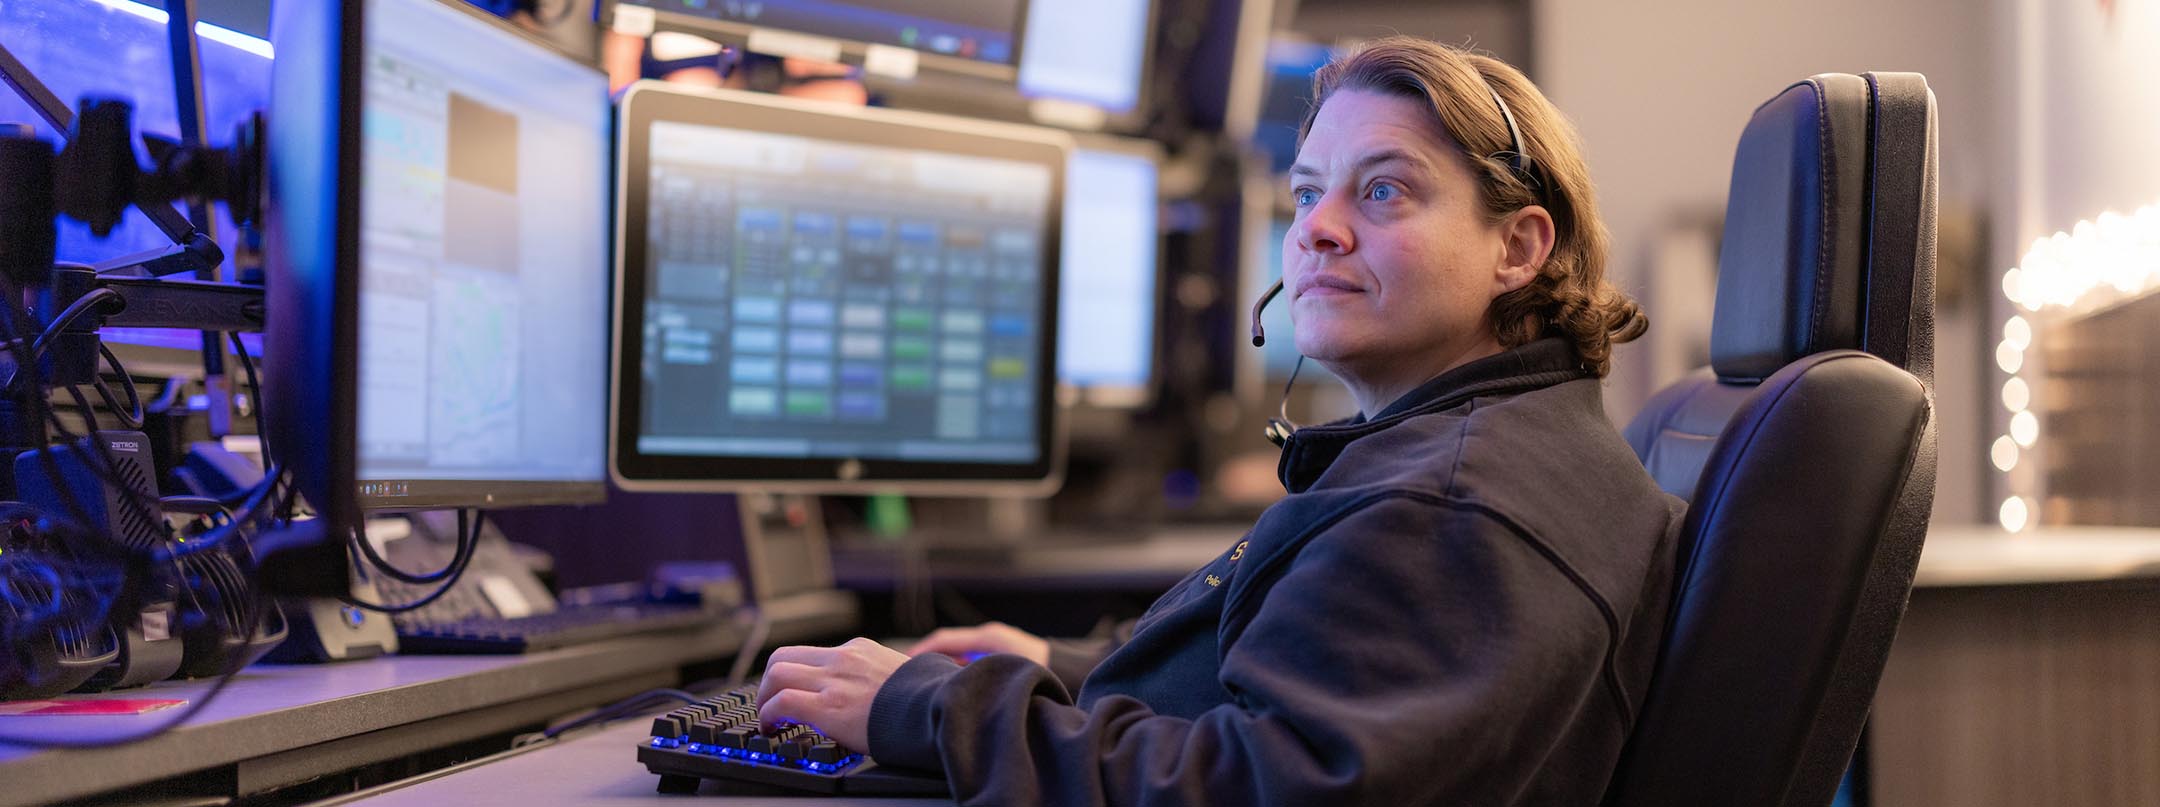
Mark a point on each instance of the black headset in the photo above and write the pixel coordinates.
(1517, 160)
(1280, 427)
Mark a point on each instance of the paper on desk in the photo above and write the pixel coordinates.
(101, 706)
(504, 595)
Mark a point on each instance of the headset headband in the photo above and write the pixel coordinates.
(1517, 158)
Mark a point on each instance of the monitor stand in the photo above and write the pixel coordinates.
(972, 531)
(790, 560)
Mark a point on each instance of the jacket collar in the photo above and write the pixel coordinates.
(1536, 365)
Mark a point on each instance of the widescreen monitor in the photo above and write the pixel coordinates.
(438, 318)
(817, 297)
(1107, 306)
(975, 37)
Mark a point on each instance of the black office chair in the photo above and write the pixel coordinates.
(1807, 451)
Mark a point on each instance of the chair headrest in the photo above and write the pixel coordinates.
(1792, 267)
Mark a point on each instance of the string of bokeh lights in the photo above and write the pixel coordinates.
(2093, 265)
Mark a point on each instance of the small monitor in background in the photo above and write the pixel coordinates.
(1106, 335)
(979, 37)
(439, 261)
(815, 297)
(1279, 357)
(1090, 51)
(1281, 353)
(1291, 62)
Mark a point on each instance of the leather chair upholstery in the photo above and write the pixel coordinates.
(1806, 449)
(1829, 243)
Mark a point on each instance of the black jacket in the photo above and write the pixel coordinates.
(1459, 602)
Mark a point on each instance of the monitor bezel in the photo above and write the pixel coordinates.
(852, 51)
(646, 102)
(311, 242)
(321, 278)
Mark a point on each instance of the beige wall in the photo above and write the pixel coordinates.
(2091, 139)
(1661, 91)
(2084, 127)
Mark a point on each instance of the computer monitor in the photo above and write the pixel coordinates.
(437, 244)
(1084, 68)
(974, 37)
(1090, 51)
(1108, 286)
(1280, 354)
(1261, 377)
(825, 298)
(1285, 95)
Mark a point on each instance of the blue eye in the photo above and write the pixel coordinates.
(1382, 192)
(1304, 197)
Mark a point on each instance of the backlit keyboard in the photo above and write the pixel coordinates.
(719, 738)
(568, 625)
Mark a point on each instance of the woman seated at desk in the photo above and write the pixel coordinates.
(1461, 598)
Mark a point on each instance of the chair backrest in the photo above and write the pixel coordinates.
(1829, 243)
(1796, 556)
(1809, 464)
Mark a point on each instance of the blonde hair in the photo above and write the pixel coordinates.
(1570, 296)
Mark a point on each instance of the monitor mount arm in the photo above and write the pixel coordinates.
(105, 179)
(94, 178)
(138, 302)
(192, 250)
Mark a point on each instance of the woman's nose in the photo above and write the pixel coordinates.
(1324, 229)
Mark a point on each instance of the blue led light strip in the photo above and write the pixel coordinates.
(743, 756)
(228, 36)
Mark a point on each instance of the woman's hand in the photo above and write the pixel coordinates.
(828, 688)
(967, 644)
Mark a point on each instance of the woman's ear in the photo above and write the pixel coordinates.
(1527, 238)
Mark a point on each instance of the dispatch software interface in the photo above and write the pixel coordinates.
(484, 268)
(815, 298)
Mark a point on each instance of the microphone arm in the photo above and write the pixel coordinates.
(1259, 337)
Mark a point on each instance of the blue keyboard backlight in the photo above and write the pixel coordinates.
(753, 757)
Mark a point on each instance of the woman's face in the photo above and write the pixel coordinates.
(1391, 261)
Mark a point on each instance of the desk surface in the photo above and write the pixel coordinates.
(1064, 562)
(598, 769)
(1986, 556)
(1955, 555)
(280, 724)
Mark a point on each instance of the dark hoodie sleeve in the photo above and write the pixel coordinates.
(1410, 653)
